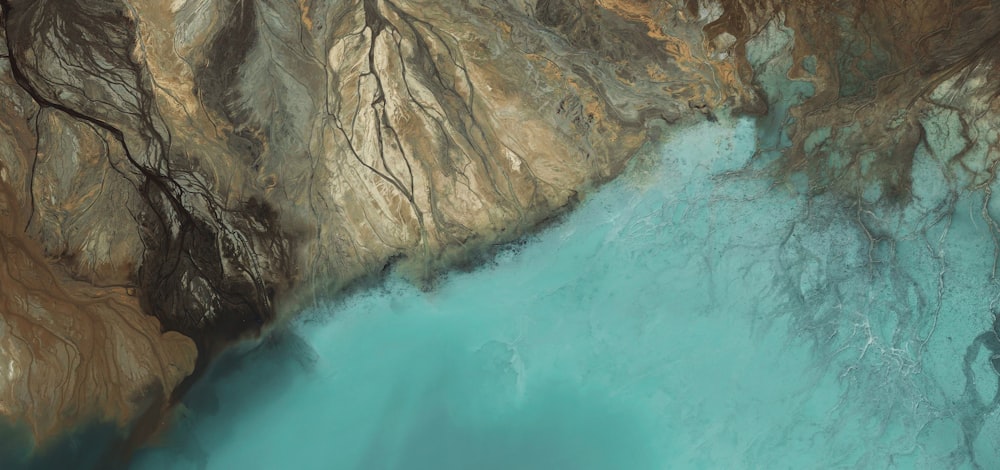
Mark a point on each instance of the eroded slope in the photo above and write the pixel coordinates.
(228, 160)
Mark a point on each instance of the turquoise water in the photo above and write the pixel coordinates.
(686, 316)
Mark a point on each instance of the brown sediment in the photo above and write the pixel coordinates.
(225, 160)
(875, 66)
(71, 352)
(74, 344)
(229, 160)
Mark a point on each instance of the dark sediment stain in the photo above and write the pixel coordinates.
(83, 448)
(243, 212)
(197, 275)
(874, 65)
(218, 76)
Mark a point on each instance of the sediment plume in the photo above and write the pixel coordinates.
(177, 176)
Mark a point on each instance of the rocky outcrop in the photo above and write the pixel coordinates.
(202, 167)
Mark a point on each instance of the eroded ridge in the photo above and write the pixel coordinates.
(229, 159)
(224, 159)
(426, 129)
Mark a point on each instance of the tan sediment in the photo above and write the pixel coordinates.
(72, 353)
(243, 155)
(876, 66)
(250, 155)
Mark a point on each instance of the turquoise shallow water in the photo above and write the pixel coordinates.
(685, 316)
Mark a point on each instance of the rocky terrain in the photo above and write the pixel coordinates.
(175, 176)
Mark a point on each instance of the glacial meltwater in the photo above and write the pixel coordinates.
(691, 314)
